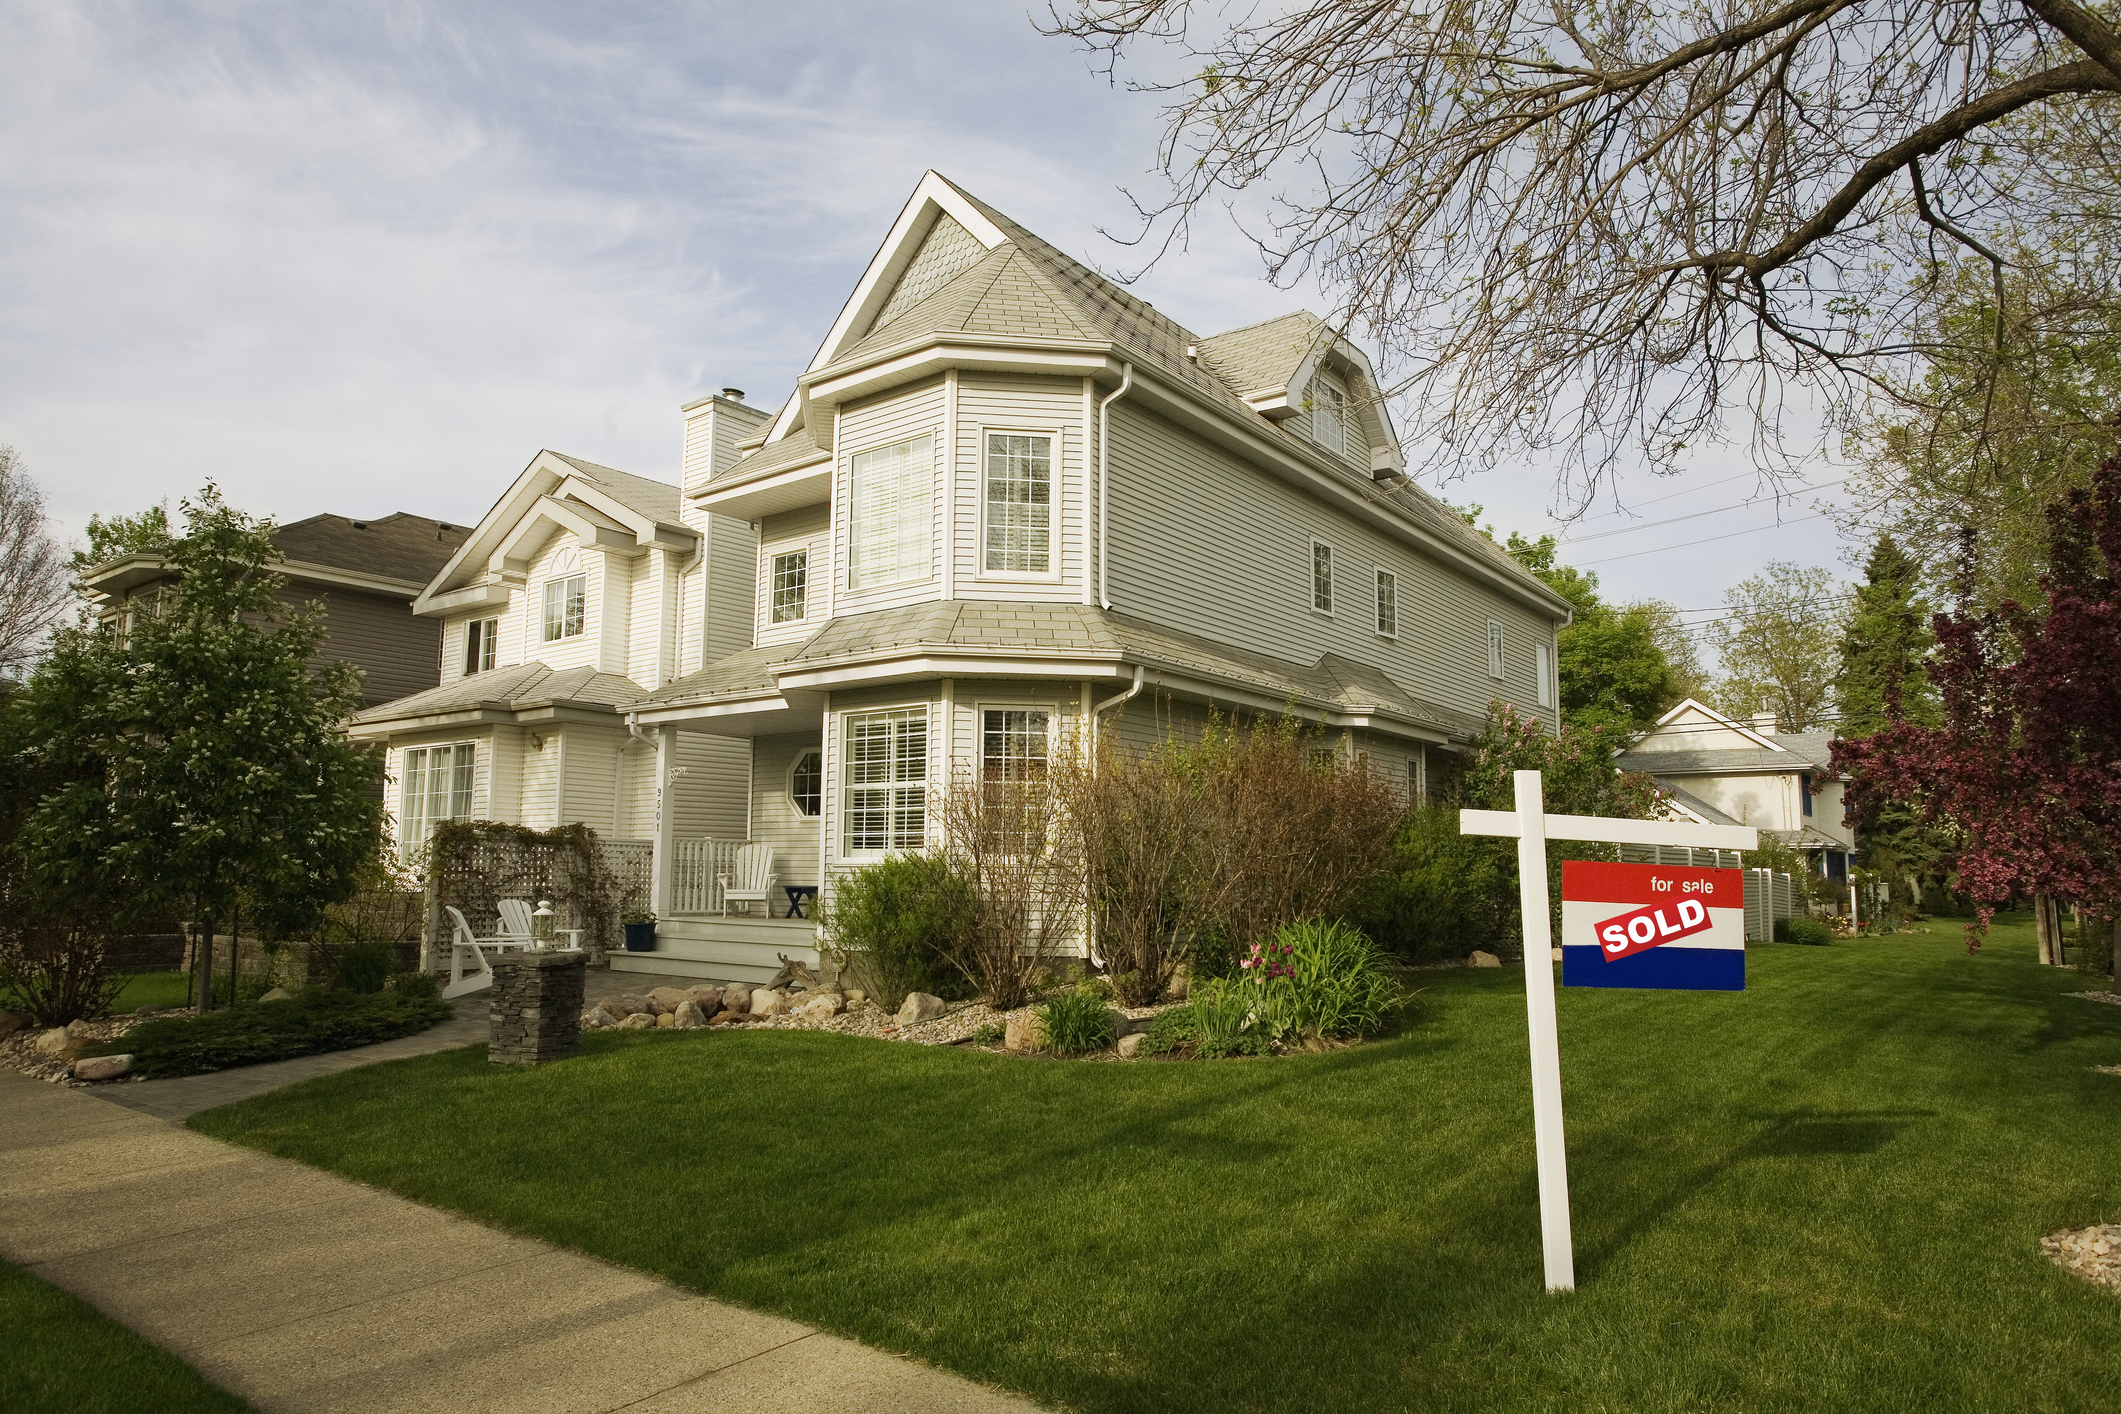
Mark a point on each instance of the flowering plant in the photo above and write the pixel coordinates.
(1268, 961)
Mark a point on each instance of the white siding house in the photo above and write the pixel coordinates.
(1004, 492)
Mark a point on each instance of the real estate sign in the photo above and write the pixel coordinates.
(1655, 926)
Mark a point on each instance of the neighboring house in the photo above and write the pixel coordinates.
(1721, 771)
(364, 573)
(1006, 501)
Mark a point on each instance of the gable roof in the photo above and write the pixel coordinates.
(926, 281)
(511, 689)
(1798, 751)
(658, 500)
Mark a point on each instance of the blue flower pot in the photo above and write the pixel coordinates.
(640, 937)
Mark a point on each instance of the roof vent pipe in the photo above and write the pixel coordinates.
(735, 395)
(1104, 477)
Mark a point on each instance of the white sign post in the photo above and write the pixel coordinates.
(1532, 827)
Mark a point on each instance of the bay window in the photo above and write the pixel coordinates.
(886, 774)
(892, 533)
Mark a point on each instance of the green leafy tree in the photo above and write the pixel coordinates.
(147, 533)
(1613, 671)
(194, 762)
(1780, 643)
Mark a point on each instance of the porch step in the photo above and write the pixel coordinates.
(728, 950)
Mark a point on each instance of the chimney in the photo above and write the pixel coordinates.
(1764, 723)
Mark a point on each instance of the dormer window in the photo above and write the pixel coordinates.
(565, 601)
(1332, 426)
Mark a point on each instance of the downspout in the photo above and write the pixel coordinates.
(1096, 711)
(677, 634)
(1104, 485)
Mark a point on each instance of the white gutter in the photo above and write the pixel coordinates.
(1104, 482)
(1128, 696)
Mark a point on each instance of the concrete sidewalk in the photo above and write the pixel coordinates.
(302, 1291)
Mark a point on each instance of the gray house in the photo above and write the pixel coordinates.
(1008, 505)
(364, 573)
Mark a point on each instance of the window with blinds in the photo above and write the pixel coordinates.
(1494, 649)
(1329, 416)
(1019, 503)
(435, 786)
(1013, 744)
(791, 573)
(893, 528)
(565, 605)
(887, 780)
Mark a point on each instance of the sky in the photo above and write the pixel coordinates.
(365, 258)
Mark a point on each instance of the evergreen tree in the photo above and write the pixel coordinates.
(1884, 647)
(190, 760)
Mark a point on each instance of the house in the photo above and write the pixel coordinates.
(364, 573)
(1008, 504)
(1722, 771)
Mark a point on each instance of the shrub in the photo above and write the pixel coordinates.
(55, 971)
(415, 984)
(1077, 1021)
(1226, 1017)
(1021, 853)
(1172, 1032)
(1441, 893)
(312, 1022)
(364, 966)
(1335, 975)
(899, 926)
(1808, 931)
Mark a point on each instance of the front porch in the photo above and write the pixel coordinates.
(732, 949)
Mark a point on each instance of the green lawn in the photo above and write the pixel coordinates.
(1824, 1193)
(57, 1356)
(163, 989)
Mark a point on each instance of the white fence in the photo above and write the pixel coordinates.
(1768, 896)
(696, 871)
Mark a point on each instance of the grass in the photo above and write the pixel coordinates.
(1826, 1192)
(312, 1020)
(60, 1357)
(162, 989)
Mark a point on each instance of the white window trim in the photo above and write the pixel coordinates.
(1497, 666)
(1543, 662)
(396, 805)
(824, 782)
(488, 648)
(1332, 578)
(979, 725)
(580, 572)
(837, 759)
(1378, 573)
(844, 528)
(1054, 506)
(767, 555)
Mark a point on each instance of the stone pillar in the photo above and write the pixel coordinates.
(536, 1013)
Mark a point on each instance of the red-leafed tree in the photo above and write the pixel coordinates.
(2027, 763)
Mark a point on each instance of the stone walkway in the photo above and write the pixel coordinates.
(303, 1291)
(186, 1095)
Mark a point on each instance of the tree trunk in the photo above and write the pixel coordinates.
(202, 965)
(2114, 935)
(2044, 929)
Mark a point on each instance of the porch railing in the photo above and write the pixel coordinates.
(696, 870)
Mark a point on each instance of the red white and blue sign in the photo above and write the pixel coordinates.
(1655, 926)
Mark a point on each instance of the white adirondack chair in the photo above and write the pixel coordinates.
(468, 969)
(750, 879)
(517, 921)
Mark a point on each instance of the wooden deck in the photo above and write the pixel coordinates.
(733, 949)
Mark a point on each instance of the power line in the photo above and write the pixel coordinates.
(1692, 515)
(1754, 530)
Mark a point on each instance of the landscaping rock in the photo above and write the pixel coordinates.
(821, 1007)
(688, 1016)
(11, 1022)
(736, 997)
(667, 1021)
(77, 1028)
(278, 994)
(1483, 959)
(1557, 954)
(767, 1002)
(638, 1021)
(1124, 1025)
(664, 1001)
(1176, 990)
(102, 1067)
(919, 1007)
(1024, 1032)
(708, 999)
(55, 1042)
(147, 1009)
(856, 996)
(598, 1019)
(1130, 1045)
(623, 1005)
